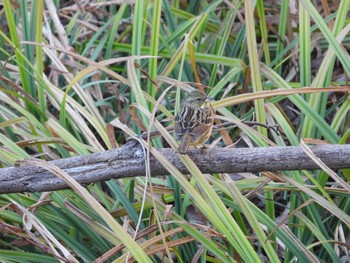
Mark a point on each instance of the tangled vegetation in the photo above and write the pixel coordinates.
(79, 77)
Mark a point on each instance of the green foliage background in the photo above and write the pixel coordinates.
(70, 71)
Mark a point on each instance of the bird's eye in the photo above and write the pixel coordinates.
(199, 100)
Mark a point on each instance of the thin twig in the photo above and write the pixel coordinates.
(218, 127)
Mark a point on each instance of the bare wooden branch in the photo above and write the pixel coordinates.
(128, 161)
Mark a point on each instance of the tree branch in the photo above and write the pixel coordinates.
(128, 161)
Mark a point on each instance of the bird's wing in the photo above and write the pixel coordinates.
(194, 121)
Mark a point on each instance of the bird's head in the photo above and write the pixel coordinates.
(196, 98)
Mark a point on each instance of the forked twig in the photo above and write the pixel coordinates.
(226, 125)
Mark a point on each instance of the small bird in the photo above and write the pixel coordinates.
(194, 121)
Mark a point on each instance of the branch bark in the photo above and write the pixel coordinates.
(128, 161)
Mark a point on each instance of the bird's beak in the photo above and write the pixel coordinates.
(208, 99)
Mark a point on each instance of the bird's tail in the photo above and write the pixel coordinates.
(185, 143)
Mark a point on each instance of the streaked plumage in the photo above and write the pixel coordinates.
(194, 121)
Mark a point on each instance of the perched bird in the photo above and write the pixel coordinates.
(194, 121)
